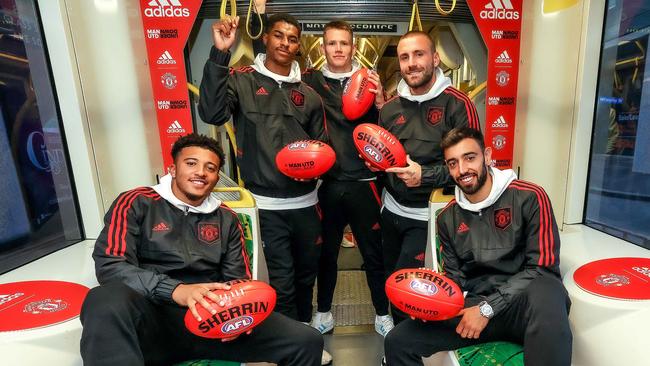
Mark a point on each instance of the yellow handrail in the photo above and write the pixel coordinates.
(415, 17)
(251, 4)
(445, 12)
(224, 5)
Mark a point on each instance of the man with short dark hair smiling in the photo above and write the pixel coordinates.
(162, 250)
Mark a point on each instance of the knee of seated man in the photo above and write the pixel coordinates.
(547, 294)
(104, 300)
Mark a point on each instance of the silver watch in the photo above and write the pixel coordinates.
(485, 309)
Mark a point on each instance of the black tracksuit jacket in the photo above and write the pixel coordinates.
(420, 126)
(152, 246)
(349, 166)
(497, 252)
(267, 116)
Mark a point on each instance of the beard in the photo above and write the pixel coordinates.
(480, 181)
(426, 77)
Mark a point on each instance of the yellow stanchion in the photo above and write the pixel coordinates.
(251, 4)
(415, 17)
(224, 6)
(443, 11)
(229, 131)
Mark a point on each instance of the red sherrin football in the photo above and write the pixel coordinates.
(305, 159)
(356, 98)
(248, 303)
(378, 147)
(424, 294)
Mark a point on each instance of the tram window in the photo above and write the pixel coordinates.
(38, 210)
(618, 196)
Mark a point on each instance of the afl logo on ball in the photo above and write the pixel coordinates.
(423, 287)
(297, 98)
(300, 145)
(208, 233)
(373, 153)
(234, 325)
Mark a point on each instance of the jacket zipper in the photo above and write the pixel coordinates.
(186, 250)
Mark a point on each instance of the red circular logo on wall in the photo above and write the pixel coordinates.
(616, 278)
(36, 304)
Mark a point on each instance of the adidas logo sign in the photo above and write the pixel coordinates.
(166, 59)
(500, 123)
(175, 127)
(161, 227)
(261, 91)
(499, 9)
(462, 228)
(166, 9)
(503, 58)
(400, 120)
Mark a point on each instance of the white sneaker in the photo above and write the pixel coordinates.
(323, 322)
(383, 324)
(326, 358)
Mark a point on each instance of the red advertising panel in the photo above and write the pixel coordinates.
(167, 25)
(499, 22)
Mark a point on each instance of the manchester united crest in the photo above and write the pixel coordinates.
(435, 114)
(297, 98)
(45, 306)
(208, 233)
(502, 218)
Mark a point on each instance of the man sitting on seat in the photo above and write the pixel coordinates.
(500, 243)
(162, 250)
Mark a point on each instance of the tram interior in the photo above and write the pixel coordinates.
(464, 59)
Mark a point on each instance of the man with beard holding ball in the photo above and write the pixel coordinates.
(500, 243)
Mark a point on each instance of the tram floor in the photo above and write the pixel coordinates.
(354, 341)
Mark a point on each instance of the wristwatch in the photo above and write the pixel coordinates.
(485, 309)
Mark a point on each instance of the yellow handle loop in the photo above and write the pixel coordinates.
(224, 5)
(251, 4)
(443, 11)
(415, 17)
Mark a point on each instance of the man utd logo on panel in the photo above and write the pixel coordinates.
(435, 114)
(208, 233)
(297, 98)
(502, 218)
(45, 306)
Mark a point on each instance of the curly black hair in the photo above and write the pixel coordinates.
(202, 141)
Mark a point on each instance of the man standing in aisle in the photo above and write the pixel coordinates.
(500, 243)
(426, 108)
(271, 108)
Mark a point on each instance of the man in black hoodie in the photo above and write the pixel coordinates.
(271, 108)
(162, 250)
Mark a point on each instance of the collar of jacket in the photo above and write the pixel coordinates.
(501, 179)
(293, 77)
(164, 189)
(442, 82)
(339, 75)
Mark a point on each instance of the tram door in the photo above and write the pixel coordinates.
(376, 32)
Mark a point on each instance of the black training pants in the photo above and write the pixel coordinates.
(292, 246)
(356, 203)
(536, 318)
(122, 327)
